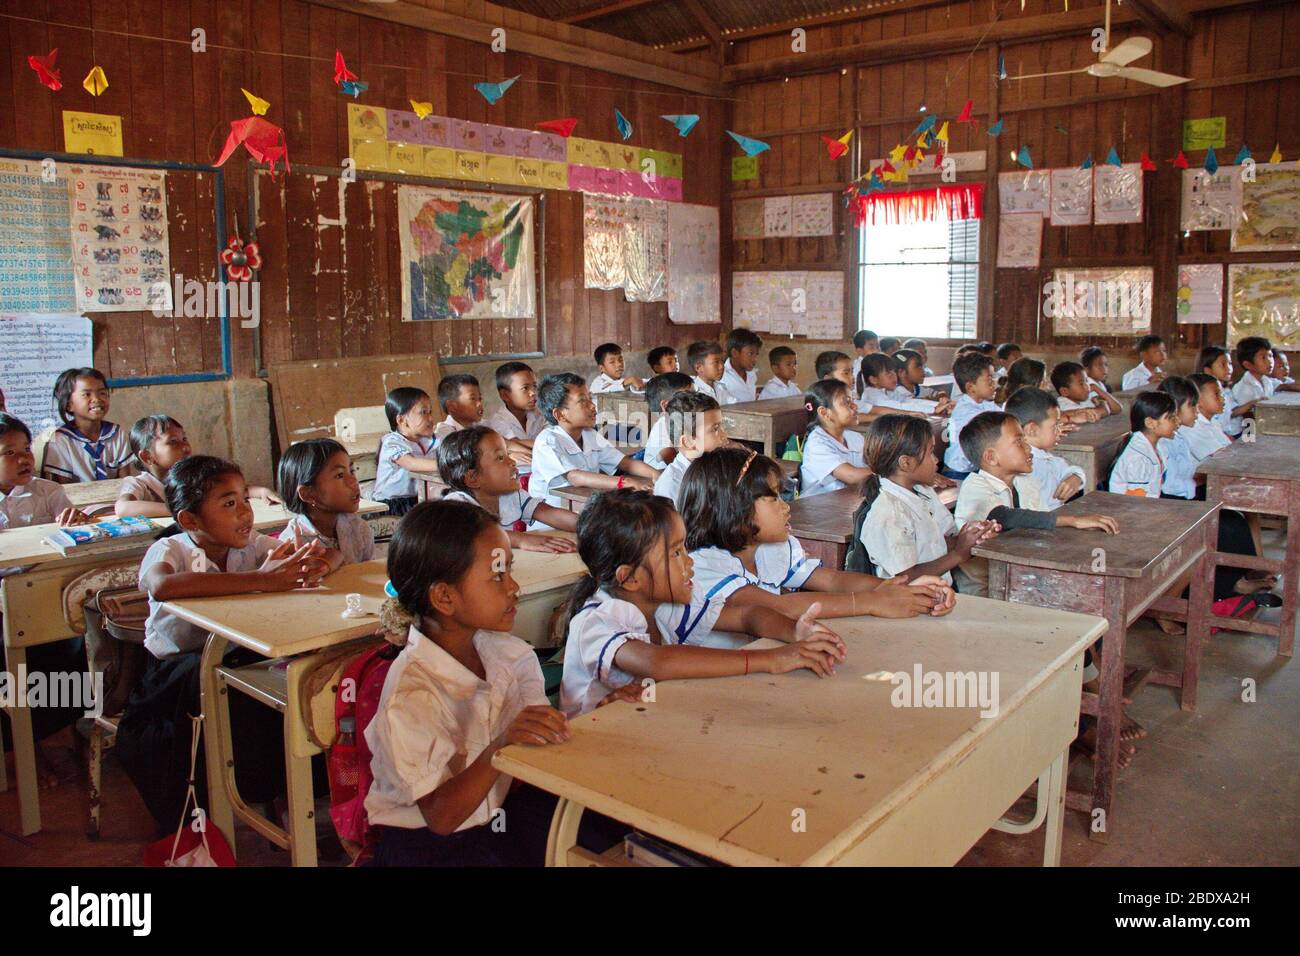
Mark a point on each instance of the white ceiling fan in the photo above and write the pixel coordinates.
(1115, 62)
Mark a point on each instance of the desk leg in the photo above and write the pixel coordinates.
(1055, 800)
(20, 718)
(1198, 615)
(301, 797)
(216, 738)
(563, 836)
(1109, 709)
(1290, 576)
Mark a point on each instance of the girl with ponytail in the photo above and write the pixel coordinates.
(832, 450)
(907, 529)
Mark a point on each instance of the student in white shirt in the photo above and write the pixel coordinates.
(638, 571)
(662, 359)
(738, 375)
(1148, 372)
(695, 426)
(1096, 367)
(1255, 356)
(407, 451)
(461, 689)
(1058, 481)
(215, 551)
(973, 375)
(85, 446)
(1217, 362)
(571, 452)
(1002, 488)
(785, 366)
(907, 530)
(705, 360)
(517, 420)
(878, 389)
(1007, 355)
(659, 448)
(921, 348)
(25, 499)
(476, 467)
(738, 532)
(912, 373)
(320, 489)
(1205, 436)
(610, 378)
(832, 450)
(1139, 468)
(865, 342)
(461, 401)
(1280, 376)
(1074, 394)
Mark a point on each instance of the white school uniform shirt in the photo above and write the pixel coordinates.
(1251, 389)
(656, 442)
(822, 454)
(555, 454)
(143, 487)
(504, 423)
(1090, 381)
(603, 625)
(965, 409)
(894, 399)
(165, 634)
(1137, 377)
(37, 502)
(436, 717)
(980, 494)
(716, 389)
(391, 479)
(603, 383)
(1049, 471)
(70, 454)
(669, 483)
(720, 574)
(740, 389)
(1205, 437)
(1231, 426)
(776, 388)
(1139, 467)
(1070, 405)
(352, 536)
(511, 509)
(905, 527)
(448, 426)
(1180, 465)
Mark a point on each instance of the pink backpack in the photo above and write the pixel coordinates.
(350, 778)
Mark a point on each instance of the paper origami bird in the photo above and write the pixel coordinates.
(964, 116)
(1276, 156)
(1113, 158)
(1024, 159)
(1242, 155)
(1087, 163)
(1148, 164)
(95, 82)
(45, 69)
(259, 105)
(996, 129)
(354, 88)
(264, 141)
(751, 146)
(1211, 161)
(685, 122)
(925, 125)
(421, 109)
(1180, 161)
(835, 148)
(624, 127)
(494, 91)
(942, 135)
(561, 127)
(341, 71)
(1002, 66)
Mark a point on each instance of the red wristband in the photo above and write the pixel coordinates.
(621, 480)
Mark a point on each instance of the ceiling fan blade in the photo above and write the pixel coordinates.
(1153, 77)
(1134, 48)
(1034, 76)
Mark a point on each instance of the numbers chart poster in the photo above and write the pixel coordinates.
(120, 253)
(37, 248)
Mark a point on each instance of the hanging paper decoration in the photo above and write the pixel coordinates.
(896, 154)
(561, 127)
(1211, 161)
(996, 129)
(494, 91)
(942, 203)
(751, 146)
(925, 125)
(836, 148)
(354, 88)
(964, 116)
(1148, 164)
(1113, 158)
(1087, 163)
(95, 82)
(909, 154)
(421, 109)
(1180, 161)
(1242, 155)
(45, 69)
(685, 122)
(264, 141)
(942, 135)
(241, 259)
(624, 127)
(1002, 66)
(259, 105)
(1276, 157)
(1024, 159)
(341, 71)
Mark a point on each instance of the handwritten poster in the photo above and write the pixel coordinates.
(694, 279)
(120, 255)
(1071, 197)
(789, 303)
(95, 134)
(1026, 191)
(36, 255)
(1117, 193)
(747, 219)
(1200, 294)
(776, 216)
(1020, 240)
(1205, 132)
(1211, 202)
(812, 214)
(34, 349)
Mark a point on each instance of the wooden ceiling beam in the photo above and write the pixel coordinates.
(594, 13)
(1163, 15)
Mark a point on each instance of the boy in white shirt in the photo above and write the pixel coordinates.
(609, 360)
(662, 359)
(1206, 435)
(1281, 374)
(785, 366)
(694, 426)
(1255, 356)
(1058, 481)
(1008, 354)
(25, 499)
(865, 342)
(738, 375)
(461, 402)
(1075, 394)
(973, 375)
(921, 348)
(705, 360)
(660, 449)
(517, 420)
(1002, 489)
(1148, 373)
(878, 389)
(1096, 367)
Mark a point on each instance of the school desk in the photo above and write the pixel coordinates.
(575, 499)
(938, 428)
(89, 494)
(1117, 577)
(623, 408)
(295, 625)
(800, 770)
(31, 604)
(1261, 477)
(823, 524)
(1093, 447)
(1279, 415)
(768, 423)
(364, 451)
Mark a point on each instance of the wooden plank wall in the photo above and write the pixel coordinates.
(1245, 63)
(332, 290)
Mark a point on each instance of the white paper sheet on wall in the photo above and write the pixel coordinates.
(809, 304)
(694, 277)
(34, 349)
(813, 214)
(1020, 240)
(777, 211)
(1211, 202)
(1071, 197)
(1029, 190)
(1117, 193)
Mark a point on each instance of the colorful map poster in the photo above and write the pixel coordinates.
(465, 255)
(1270, 210)
(36, 256)
(1264, 299)
(121, 260)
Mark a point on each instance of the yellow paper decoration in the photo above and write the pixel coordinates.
(95, 82)
(259, 105)
(421, 109)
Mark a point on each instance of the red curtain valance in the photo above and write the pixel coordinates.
(920, 205)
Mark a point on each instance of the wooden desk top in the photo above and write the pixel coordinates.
(1095, 434)
(570, 493)
(1149, 528)
(825, 517)
(718, 765)
(1288, 399)
(295, 622)
(768, 406)
(935, 381)
(1268, 456)
(88, 493)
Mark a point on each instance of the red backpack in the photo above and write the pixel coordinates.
(350, 778)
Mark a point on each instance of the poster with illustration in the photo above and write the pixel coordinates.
(121, 260)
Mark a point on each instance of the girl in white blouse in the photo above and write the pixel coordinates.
(1139, 468)
(832, 450)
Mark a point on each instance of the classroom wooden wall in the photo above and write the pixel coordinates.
(331, 283)
(1245, 65)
